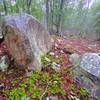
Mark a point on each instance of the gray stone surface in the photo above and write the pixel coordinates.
(75, 59)
(4, 63)
(90, 62)
(87, 72)
(90, 85)
(26, 39)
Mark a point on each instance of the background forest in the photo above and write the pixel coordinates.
(59, 16)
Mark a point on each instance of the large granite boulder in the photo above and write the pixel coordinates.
(87, 72)
(90, 62)
(87, 62)
(26, 39)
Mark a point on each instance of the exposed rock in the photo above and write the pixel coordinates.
(92, 87)
(87, 72)
(4, 63)
(56, 66)
(71, 97)
(90, 62)
(2, 86)
(54, 97)
(4, 57)
(26, 39)
(75, 59)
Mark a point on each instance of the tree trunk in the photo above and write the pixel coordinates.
(28, 6)
(47, 14)
(51, 16)
(5, 7)
(60, 15)
(17, 8)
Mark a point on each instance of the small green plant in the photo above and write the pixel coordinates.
(18, 94)
(46, 60)
(46, 83)
(84, 91)
(40, 84)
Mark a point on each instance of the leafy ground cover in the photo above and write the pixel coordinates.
(75, 45)
(16, 86)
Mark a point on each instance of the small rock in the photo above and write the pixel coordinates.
(59, 40)
(54, 98)
(1, 86)
(73, 98)
(56, 66)
(56, 56)
(61, 51)
(86, 82)
(56, 45)
(96, 93)
(4, 63)
(52, 53)
(47, 98)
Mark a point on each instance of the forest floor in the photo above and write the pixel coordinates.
(78, 45)
(61, 45)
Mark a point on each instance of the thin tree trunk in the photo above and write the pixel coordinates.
(60, 15)
(47, 14)
(28, 6)
(17, 8)
(51, 16)
(5, 7)
(23, 4)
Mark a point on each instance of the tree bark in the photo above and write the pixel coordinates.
(47, 14)
(5, 7)
(28, 6)
(60, 15)
(51, 16)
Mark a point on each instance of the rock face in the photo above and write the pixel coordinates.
(4, 63)
(4, 57)
(90, 62)
(75, 59)
(87, 72)
(26, 39)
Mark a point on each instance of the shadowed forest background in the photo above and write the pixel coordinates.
(79, 17)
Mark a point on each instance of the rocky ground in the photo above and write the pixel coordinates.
(65, 47)
(88, 51)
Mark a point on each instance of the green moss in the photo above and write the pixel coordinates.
(38, 82)
(84, 91)
(46, 60)
(44, 82)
